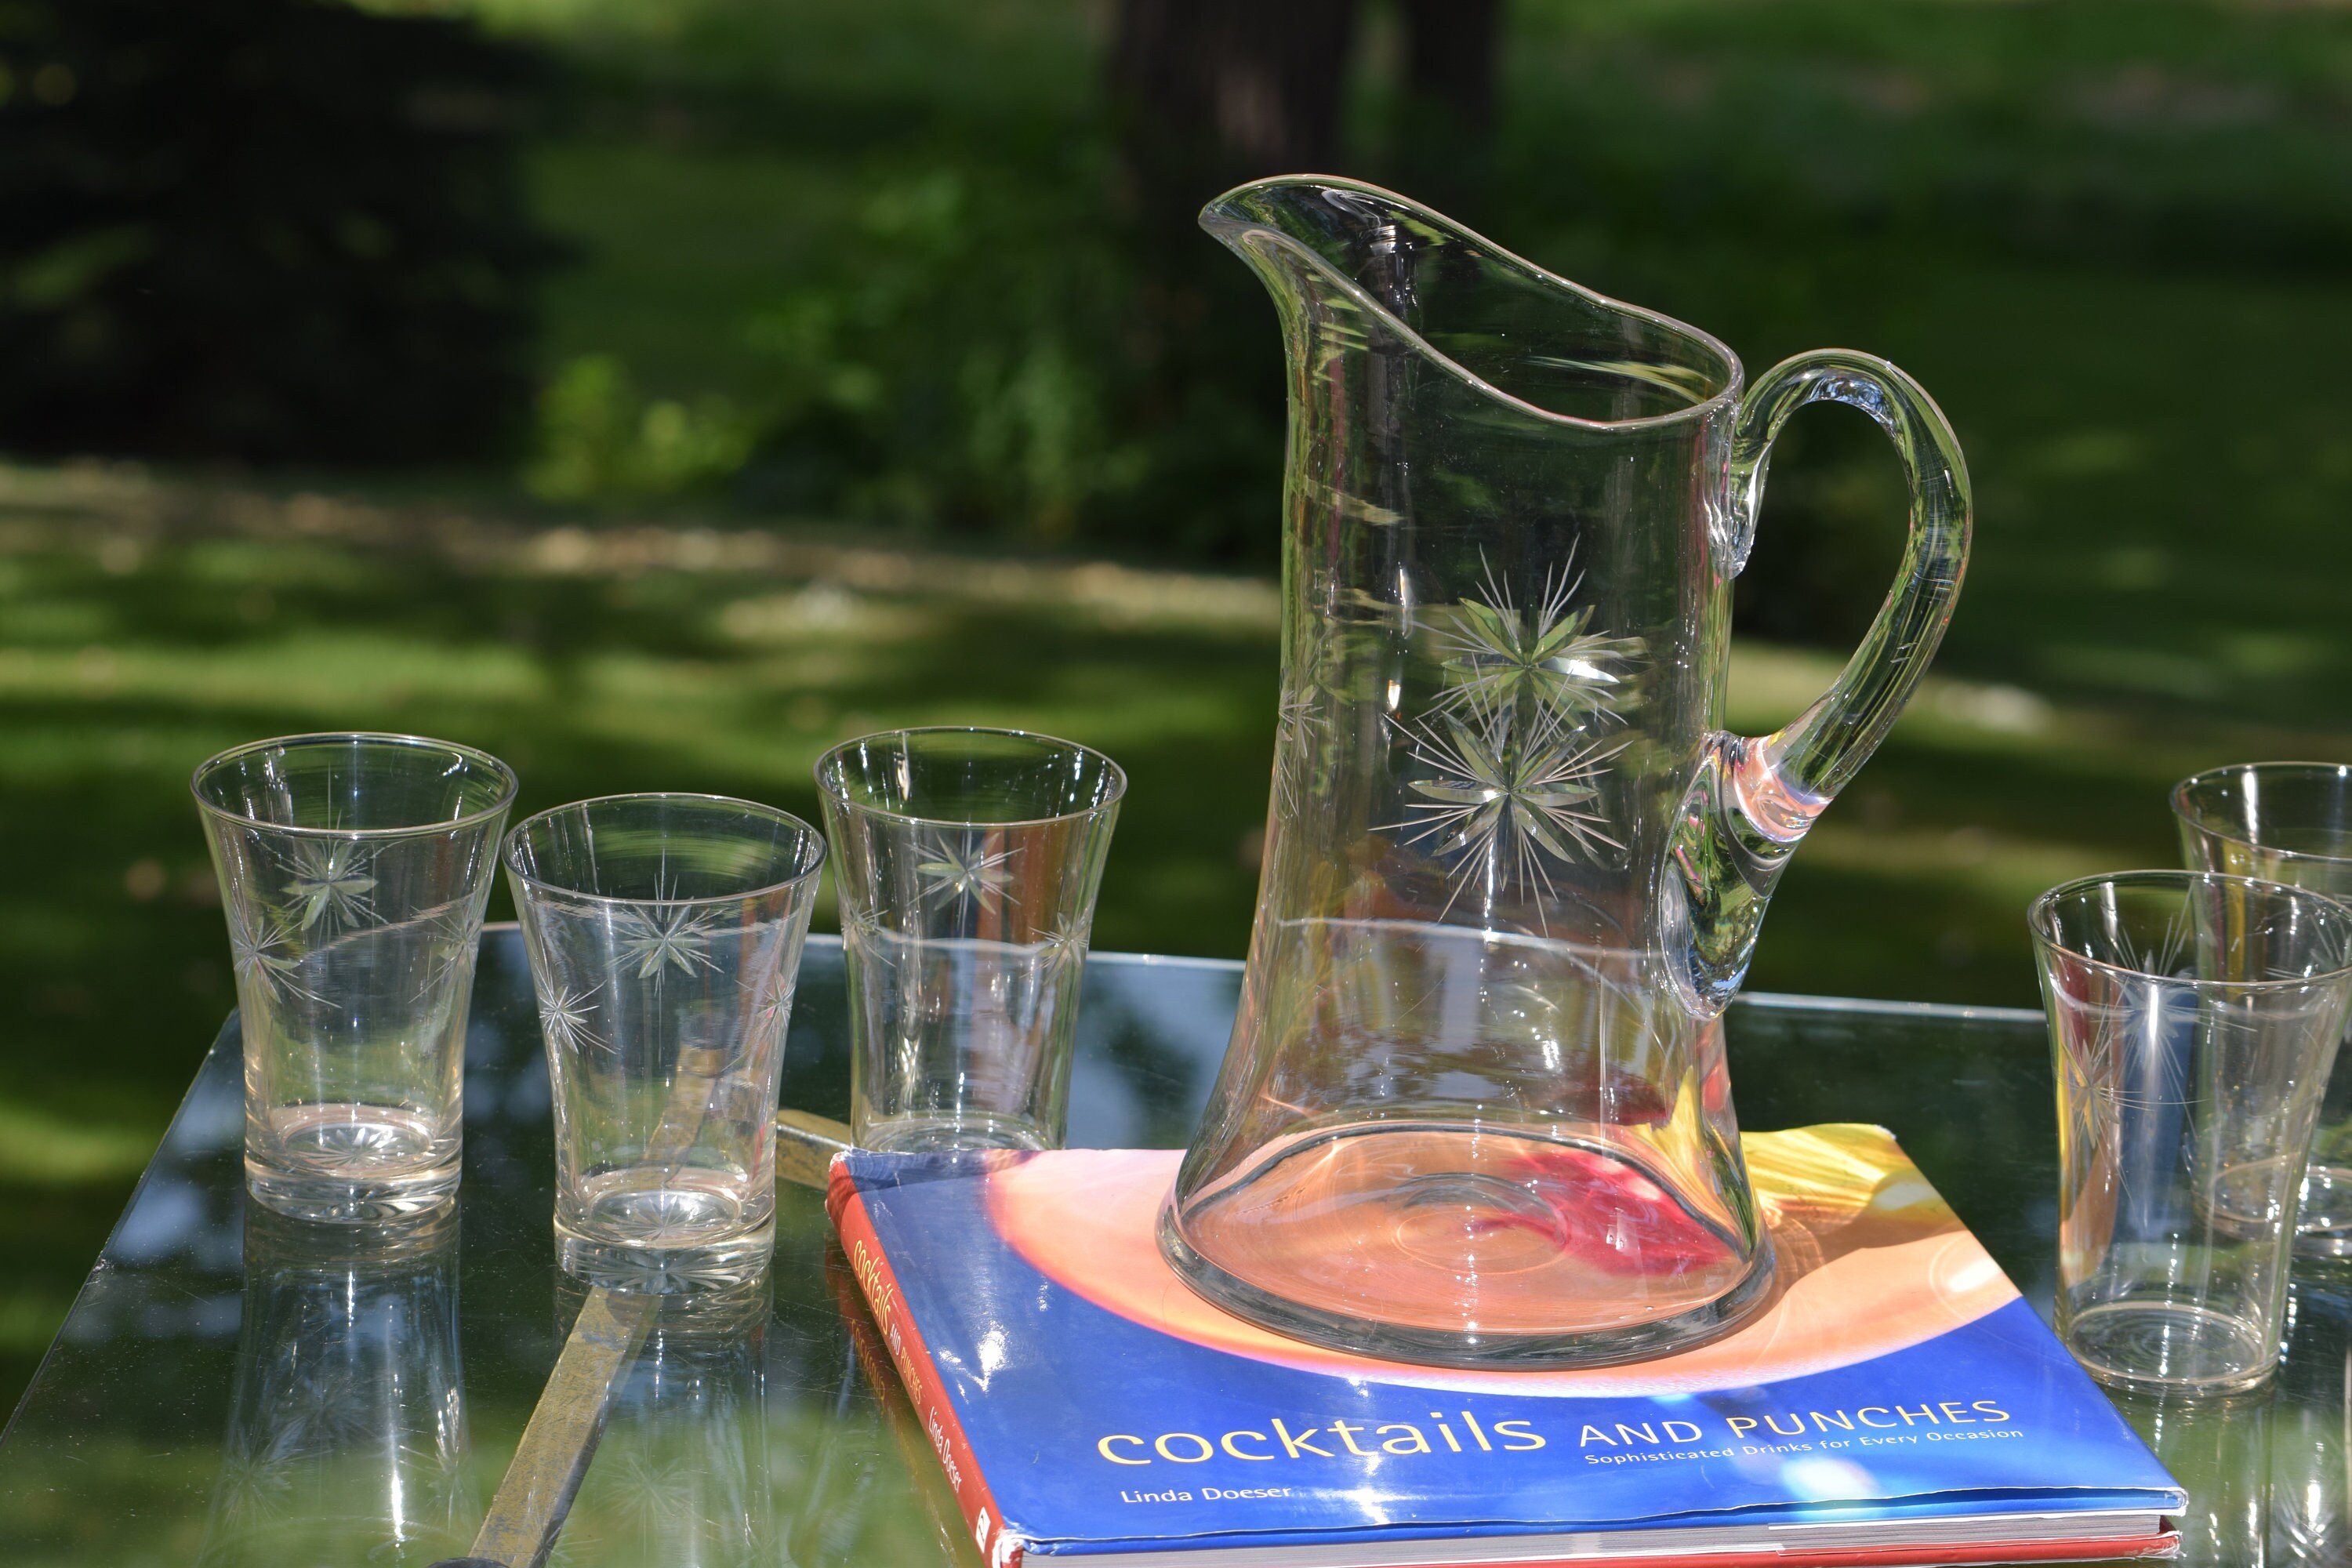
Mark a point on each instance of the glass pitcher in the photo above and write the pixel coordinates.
(1475, 1110)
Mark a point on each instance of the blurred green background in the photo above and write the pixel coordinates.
(655, 392)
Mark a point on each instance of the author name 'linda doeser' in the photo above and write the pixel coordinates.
(1866, 1425)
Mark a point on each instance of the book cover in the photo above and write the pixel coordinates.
(1081, 1400)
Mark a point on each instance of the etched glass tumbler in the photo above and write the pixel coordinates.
(665, 936)
(2193, 1018)
(2288, 822)
(966, 862)
(353, 872)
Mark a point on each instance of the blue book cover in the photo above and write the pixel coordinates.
(1898, 1402)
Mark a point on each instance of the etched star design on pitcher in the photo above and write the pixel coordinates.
(1514, 763)
(1495, 794)
(1494, 653)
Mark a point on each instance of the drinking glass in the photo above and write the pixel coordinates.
(966, 862)
(665, 936)
(2192, 1021)
(2288, 822)
(353, 872)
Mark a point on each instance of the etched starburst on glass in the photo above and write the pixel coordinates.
(769, 981)
(858, 924)
(960, 867)
(328, 881)
(1493, 653)
(773, 1011)
(251, 1488)
(563, 1018)
(336, 1414)
(264, 953)
(455, 927)
(451, 932)
(1506, 803)
(1067, 942)
(662, 1490)
(2171, 946)
(1290, 752)
(657, 941)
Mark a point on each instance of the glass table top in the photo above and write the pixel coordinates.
(232, 1390)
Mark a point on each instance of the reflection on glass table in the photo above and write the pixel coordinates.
(230, 1391)
(347, 1418)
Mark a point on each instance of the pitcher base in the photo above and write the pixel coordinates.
(1456, 1246)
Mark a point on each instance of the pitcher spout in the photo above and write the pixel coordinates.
(1412, 281)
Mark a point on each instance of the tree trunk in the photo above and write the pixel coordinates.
(1218, 91)
(1442, 132)
(1211, 93)
(1450, 58)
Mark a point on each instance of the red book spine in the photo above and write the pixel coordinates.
(2104, 1549)
(1002, 1549)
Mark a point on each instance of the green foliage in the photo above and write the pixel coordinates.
(962, 325)
(977, 356)
(599, 440)
(277, 229)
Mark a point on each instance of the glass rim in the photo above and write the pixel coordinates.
(509, 780)
(2235, 833)
(2037, 921)
(1116, 775)
(812, 840)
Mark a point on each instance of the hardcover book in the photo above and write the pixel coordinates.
(1898, 1402)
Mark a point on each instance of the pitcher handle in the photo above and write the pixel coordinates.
(1754, 797)
(1802, 764)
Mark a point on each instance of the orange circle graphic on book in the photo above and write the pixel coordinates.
(1869, 1259)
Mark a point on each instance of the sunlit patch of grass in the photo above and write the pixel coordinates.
(28, 1321)
(271, 563)
(308, 674)
(819, 614)
(56, 743)
(1999, 867)
(1915, 882)
(52, 621)
(37, 1149)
